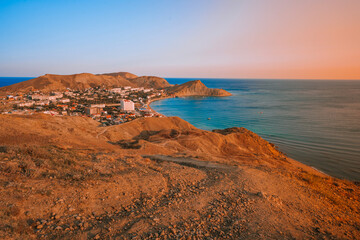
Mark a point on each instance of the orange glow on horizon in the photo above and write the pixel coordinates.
(277, 39)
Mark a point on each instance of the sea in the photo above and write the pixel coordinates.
(6, 81)
(316, 122)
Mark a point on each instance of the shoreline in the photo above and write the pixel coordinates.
(294, 160)
(154, 100)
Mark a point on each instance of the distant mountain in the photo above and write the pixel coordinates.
(125, 75)
(51, 82)
(142, 81)
(196, 88)
(150, 82)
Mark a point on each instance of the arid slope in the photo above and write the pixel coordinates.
(51, 82)
(68, 178)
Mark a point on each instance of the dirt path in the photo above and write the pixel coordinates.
(102, 132)
(228, 203)
(191, 162)
(178, 213)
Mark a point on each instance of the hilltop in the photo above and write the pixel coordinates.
(51, 82)
(125, 75)
(196, 88)
(68, 178)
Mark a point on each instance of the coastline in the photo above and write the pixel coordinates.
(296, 162)
(154, 100)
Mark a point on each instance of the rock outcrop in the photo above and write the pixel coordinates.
(196, 88)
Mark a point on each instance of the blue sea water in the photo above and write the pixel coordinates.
(5, 81)
(316, 122)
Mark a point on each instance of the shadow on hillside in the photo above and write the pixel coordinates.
(146, 135)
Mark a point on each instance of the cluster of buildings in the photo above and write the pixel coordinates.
(108, 106)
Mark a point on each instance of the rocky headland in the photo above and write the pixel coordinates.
(196, 88)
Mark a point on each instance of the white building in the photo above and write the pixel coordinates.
(46, 97)
(66, 100)
(42, 103)
(57, 94)
(116, 90)
(97, 105)
(39, 97)
(52, 98)
(127, 105)
(26, 104)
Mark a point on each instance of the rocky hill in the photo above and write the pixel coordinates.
(150, 82)
(142, 81)
(196, 88)
(68, 178)
(125, 75)
(51, 82)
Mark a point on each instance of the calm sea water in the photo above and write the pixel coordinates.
(314, 122)
(5, 81)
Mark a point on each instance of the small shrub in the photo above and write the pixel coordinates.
(3, 149)
(12, 211)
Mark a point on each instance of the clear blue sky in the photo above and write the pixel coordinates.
(187, 38)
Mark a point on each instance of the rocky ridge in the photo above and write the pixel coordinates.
(52, 82)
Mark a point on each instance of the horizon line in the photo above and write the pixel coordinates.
(232, 78)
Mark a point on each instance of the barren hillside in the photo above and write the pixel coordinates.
(51, 82)
(150, 82)
(68, 178)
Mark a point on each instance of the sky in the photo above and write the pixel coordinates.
(281, 39)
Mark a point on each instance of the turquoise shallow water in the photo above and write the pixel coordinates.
(316, 122)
